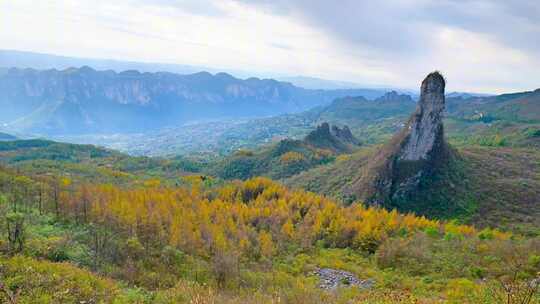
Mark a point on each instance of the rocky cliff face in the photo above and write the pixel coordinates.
(83, 100)
(413, 155)
(333, 138)
(425, 128)
(345, 135)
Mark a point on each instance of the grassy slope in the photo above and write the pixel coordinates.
(330, 179)
(44, 157)
(496, 186)
(283, 159)
(506, 185)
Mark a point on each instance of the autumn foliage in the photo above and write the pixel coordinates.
(255, 218)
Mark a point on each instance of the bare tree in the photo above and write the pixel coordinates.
(516, 283)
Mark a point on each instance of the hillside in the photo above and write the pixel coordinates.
(44, 157)
(417, 170)
(491, 186)
(522, 107)
(226, 136)
(504, 120)
(287, 157)
(374, 121)
(240, 242)
(515, 118)
(118, 229)
(84, 101)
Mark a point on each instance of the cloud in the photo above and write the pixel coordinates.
(281, 46)
(406, 26)
(480, 45)
(198, 7)
(410, 37)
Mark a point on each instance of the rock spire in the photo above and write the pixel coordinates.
(425, 127)
(397, 172)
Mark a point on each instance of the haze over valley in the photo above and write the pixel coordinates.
(266, 152)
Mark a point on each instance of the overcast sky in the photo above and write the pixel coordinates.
(481, 46)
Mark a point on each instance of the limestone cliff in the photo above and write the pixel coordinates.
(86, 101)
(412, 156)
(425, 127)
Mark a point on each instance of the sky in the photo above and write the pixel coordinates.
(489, 46)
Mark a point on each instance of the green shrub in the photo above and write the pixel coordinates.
(47, 282)
(432, 232)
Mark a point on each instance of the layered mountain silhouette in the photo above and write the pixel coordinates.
(360, 108)
(6, 137)
(83, 100)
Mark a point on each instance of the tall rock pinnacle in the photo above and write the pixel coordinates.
(398, 171)
(425, 127)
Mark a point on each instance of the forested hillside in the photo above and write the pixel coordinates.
(287, 157)
(71, 240)
(86, 161)
(427, 169)
(87, 224)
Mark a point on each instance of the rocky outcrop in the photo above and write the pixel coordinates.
(332, 138)
(425, 128)
(333, 278)
(345, 135)
(394, 96)
(414, 154)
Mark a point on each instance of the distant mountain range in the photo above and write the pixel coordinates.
(6, 137)
(39, 61)
(84, 101)
(511, 118)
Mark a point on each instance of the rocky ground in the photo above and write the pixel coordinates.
(333, 278)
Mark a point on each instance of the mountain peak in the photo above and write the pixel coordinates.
(413, 154)
(394, 96)
(425, 126)
(333, 138)
(86, 69)
(433, 83)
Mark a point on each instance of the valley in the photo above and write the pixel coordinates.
(269, 152)
(265, 209)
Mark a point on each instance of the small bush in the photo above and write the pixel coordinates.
(411, 254)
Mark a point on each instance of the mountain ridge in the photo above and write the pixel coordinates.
(84, 100)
